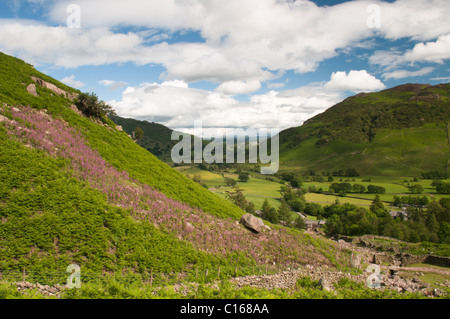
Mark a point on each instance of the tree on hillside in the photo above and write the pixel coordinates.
(287, 193)
(443, 188)
(416, 189)
(138, 133)
(269, 213)
(243, 177)
(377, 206)
(297, 204)
(341, 188)
(313, 209)
(237, 197)
(444, 233)
(432, 223)
(358, 188)
(250, 208)
(265, 207)
(284, 212)
(435, 175)
(229, 181)
(91, 106)
(299, 223)
(373, 189)
(272, 216)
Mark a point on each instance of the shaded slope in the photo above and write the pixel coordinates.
(156, 139)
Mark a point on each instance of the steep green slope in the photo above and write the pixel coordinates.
(75, 190)
(62, 203)
(115, 147)
(396, 132)
(50, 220)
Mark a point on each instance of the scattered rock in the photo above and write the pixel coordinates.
(74, 108)
(324, 284)
(32, 89)
(252, 222)
(53, 88)
(52, 291)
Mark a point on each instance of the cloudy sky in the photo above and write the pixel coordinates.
(233, 63)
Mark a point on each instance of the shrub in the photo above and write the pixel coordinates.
(416, 189)
(229, 181)
(306, 282)
(91, 106)
(373, 189)
(443, 188)
(243, 177)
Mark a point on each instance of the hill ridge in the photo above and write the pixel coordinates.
(349, 129)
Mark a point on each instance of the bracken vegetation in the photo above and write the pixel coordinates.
(50, 245)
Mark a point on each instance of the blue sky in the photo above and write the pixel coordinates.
(235, 63)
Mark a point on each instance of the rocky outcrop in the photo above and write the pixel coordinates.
(325, 284)
(31, 88)
(74, 108)
(392, 255)
(54, 88)
(253, 223)
(327, 278)
(51, 291)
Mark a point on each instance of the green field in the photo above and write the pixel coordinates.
(258, 189)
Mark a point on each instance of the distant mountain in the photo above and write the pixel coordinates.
(398, 131)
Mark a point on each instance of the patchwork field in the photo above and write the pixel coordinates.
(257, 189)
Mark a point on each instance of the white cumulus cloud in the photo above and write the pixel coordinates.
(401, 74)
(434, 51)
(176, 105)
(239, 87)
(354, 81)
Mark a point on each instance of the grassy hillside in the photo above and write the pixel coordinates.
(62, 203)
(397, 132)
(115, 147)
(75, 190)
(50, 219)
